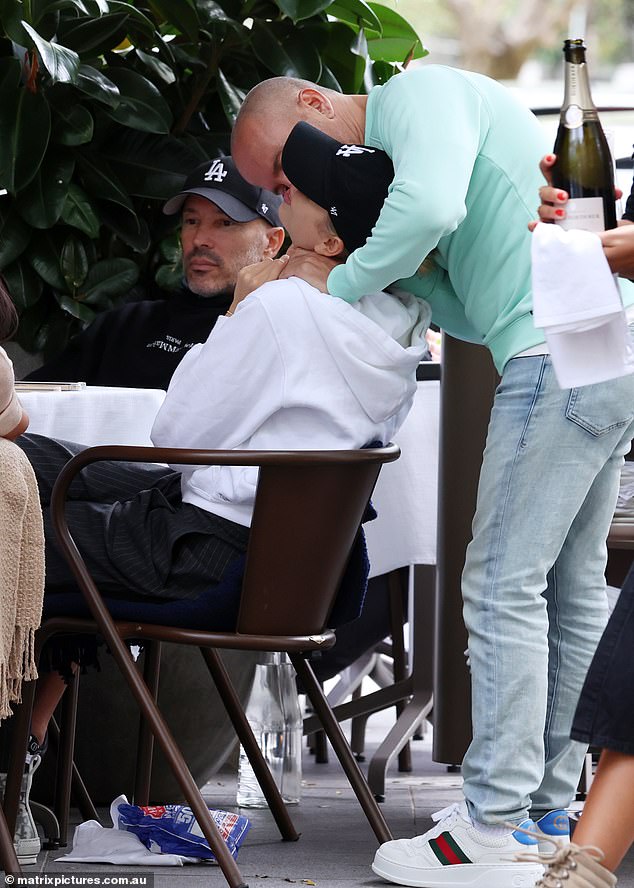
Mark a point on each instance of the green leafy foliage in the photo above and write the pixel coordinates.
(106, 105)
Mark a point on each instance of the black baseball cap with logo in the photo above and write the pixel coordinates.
(220, 182)
(349, 181)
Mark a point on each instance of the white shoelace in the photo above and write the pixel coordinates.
(454, 811)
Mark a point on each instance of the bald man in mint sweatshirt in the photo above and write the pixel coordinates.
(453, 230)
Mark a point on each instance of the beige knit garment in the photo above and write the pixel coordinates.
(21, 572)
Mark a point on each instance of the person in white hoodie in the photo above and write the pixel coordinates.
(287, 368)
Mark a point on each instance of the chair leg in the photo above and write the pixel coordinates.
(21, 725)
(79, 791)
(357, 730)
(145, 745)
(342, 749)
(320, 745)
(174, 757)
(8, 857)
(399, 655)
(247, 739)
(65, 759)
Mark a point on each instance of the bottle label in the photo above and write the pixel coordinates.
(585, 213)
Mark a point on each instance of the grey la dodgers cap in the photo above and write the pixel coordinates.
(220, 182)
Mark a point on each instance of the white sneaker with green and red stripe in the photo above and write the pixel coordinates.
(456, 853)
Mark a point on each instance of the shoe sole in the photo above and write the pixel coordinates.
(26, 861)
(27, 851)
(469, 875)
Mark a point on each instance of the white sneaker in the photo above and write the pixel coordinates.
(26, 838)
(457, 854)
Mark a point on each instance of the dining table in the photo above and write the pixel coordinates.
(92, 415)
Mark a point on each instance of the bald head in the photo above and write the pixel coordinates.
(271, 110)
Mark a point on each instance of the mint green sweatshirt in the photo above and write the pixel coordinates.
(465, 156)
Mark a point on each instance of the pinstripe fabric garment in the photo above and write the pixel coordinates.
(136, 535)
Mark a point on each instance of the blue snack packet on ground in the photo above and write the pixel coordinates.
(173, 829)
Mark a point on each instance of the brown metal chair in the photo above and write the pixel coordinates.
(8, 858)
(308, 509)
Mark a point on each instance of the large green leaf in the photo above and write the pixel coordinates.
(25, 125)
(356, 12)
(24, 285)
(230, 96)
(94, 35)
(329, 80)
(61, 63)
(138, 22)
(44, 253)
(169, 278)
(98, 179)
(294, 57)
(79, 212)
(41, 8)
(75, 308)
(10, 73)
(14, 234)
(11, 15)
(141, 106)
(74, 263)
(156, 66)
(180, 16)
(97, 86)
(101, 7)
(133, 230)
(346, 65)
(148, 166)
(302, 9)
(398, 39)
(73, 123)
(40, 203)
(110, 277)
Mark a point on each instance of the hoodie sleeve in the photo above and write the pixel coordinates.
(225, 388)
(433, 140)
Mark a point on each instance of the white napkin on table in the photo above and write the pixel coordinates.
(577, 302)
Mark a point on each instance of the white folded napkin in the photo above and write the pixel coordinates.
(577, 302)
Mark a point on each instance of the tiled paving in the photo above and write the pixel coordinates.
(336, 845)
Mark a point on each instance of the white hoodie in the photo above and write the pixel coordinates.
(293, 369)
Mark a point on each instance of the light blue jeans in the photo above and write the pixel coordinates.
(533, 582)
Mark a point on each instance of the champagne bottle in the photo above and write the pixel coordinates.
(584, 165)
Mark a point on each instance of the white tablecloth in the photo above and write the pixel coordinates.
(405, 495)
(406, 492)
(94, 415)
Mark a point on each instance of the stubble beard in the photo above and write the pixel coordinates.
(230, 273)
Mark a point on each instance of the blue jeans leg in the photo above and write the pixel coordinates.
(533, 586)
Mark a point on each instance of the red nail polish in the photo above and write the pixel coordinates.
(561, 195)
(559, 213)
(550, 158)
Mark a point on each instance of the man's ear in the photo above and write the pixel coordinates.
(331, 246)
(275, 239)
(317, 101)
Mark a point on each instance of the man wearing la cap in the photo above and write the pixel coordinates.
(285, 368)
(141, 343)
(465, 158)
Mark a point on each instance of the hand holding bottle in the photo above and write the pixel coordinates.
(554, 200)
(618, 243)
